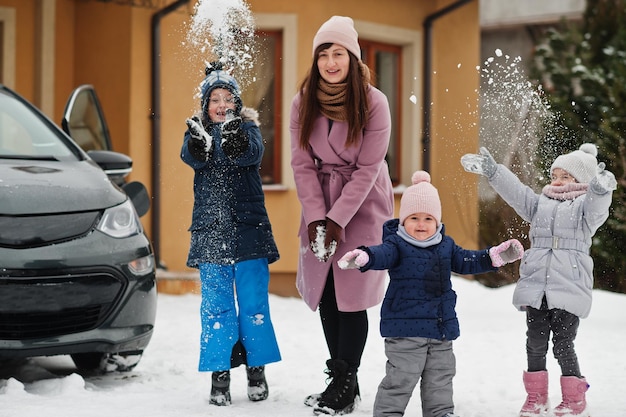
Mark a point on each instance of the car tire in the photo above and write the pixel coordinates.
(106, 362)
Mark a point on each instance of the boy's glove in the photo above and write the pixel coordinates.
(506, 252)
(200, 142)
(234, 141)
(354, 259)
(604, 180)
(482, 164)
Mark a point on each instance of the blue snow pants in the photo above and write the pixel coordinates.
(223, 323)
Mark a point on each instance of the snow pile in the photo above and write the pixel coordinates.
(490, 359)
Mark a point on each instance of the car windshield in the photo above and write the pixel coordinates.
(26, 135)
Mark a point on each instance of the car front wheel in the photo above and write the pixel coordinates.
(107, 362)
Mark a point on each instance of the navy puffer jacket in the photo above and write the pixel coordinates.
(420, 301)
(229, 221)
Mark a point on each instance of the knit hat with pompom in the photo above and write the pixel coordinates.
(217, 77)
(581, 164)
(421, 197)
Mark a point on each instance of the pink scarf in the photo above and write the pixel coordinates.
(565, 192)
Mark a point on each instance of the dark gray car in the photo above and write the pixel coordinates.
(77, 273)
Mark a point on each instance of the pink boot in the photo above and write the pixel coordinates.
(537, 403)
(574, 403)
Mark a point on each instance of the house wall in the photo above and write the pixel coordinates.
(108, 45)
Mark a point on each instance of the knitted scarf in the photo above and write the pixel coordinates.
(332, 97)
(565, 192)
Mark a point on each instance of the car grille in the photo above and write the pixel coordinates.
(36, 307)
(18, 232)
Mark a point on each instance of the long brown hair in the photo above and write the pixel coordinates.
(356, 103)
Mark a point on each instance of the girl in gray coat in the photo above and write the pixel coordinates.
(556, 273)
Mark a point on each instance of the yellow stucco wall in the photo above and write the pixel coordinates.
(108, 45)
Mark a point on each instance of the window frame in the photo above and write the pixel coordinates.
(370, 49)
(277, 118)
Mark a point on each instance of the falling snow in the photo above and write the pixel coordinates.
(224, 30)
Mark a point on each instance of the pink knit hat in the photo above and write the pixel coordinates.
(421, 197)
(339, 30)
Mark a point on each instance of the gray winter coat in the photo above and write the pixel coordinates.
(558, 262)
(229, 221)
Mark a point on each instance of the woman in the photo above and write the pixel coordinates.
(340, 129)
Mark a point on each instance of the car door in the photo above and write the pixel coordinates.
(84, 121)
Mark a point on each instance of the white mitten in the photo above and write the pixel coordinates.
(604, 181)
(506, 252)
(482, 163)
(354, 259)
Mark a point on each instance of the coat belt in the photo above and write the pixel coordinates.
(339, 175)
(556, 242)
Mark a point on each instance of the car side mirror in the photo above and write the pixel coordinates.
(138, 194)
(116, 165)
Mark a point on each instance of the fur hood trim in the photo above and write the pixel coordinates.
(250, 114)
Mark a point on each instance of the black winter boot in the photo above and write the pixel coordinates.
(257, 385)
(313, 399)
(342, 394)
(220, 388)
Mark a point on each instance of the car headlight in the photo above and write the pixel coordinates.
(120, 221)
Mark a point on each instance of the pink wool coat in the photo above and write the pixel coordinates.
(352, 187)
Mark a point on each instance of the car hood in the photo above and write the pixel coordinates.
(37, 187)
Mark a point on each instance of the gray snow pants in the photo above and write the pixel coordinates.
(410, 359)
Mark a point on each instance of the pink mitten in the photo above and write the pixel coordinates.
(354, 259)
(506, 252)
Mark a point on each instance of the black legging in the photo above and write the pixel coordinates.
(563, 326)
(345, 332)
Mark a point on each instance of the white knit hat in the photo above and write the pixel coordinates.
(339, 30)
(421, 197)
(581, 164)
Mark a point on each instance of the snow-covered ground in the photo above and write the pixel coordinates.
(490, 359)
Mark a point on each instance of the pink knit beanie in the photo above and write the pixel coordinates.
(421, 197)
(339, 30)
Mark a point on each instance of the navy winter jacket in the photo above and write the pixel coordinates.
(229, 221)
(420, 301)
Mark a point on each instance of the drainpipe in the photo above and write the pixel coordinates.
(156, 127)
(428, 29)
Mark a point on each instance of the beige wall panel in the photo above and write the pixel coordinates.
(455, 119)
(64, 56)
(103, 34)
(25, 47)
(182, 70)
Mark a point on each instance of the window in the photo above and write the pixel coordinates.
(264, 95)
(385, 62)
